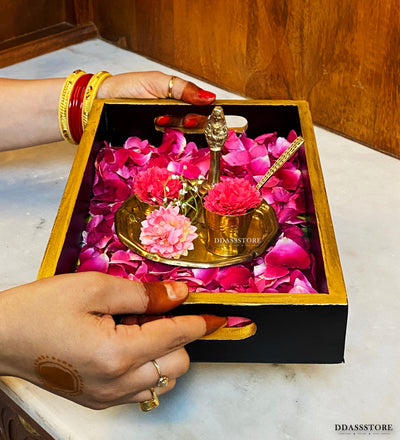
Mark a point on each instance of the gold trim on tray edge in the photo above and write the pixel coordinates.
(330, 253)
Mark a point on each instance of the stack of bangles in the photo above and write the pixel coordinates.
(76, 101)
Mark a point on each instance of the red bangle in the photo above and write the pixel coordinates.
(75, 107)
(79, 125)
(72, 110)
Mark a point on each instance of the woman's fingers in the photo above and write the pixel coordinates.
(137, 381)
(190, 120)
(147, 85)
(159, 337)
(192, 94)
(134, 385)
(137, 397)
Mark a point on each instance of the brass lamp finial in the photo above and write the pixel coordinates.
(216, 134)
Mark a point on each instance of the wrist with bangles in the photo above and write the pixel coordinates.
(76, 101)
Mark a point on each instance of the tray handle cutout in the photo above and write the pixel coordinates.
(246, 329)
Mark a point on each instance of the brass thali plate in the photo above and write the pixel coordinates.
(264, 227)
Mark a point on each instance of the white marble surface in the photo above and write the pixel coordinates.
(230, 401)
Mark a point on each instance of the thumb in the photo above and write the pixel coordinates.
(122, 296)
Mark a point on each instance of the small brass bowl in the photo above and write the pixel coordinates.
(227, 235)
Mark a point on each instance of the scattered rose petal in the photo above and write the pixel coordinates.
(97, 262)
(232, 277)
(288, 253)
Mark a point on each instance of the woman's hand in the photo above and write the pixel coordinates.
(24, 101)
(60, 333)
(152, 85)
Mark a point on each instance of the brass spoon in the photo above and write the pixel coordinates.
(283, 158)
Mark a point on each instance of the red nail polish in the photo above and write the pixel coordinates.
(204, 94)
(164, 296)
(213, 323)
(164, 120)
(190, 122)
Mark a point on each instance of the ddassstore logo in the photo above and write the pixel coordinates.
(238, 240)
(364, 428)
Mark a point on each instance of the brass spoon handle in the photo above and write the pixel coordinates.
(283, 158)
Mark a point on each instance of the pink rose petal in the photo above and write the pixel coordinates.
(233, 277)
(206, 275)
(98, 263)
(236, 158)
(288, 253)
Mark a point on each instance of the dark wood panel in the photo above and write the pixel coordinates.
(44, 41)
(340, 57)
(82, 11)
(20, 17)
(118, 25)
(29, 29)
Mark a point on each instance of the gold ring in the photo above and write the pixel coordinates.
(170, 85)
(150, 404)
(162, 380)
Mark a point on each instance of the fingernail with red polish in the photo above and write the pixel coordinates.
(163, 120)
(213, 323)
(190, 122)
(208, 96)
(164, 296)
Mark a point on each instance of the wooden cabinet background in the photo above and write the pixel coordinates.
(19, 17)
(29, 29)
(342, 56)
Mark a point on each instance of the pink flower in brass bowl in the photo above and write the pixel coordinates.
(167, 233)
(156, 185)
(232, 196)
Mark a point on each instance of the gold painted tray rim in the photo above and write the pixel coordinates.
(264, 216)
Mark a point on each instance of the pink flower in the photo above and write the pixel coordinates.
(154, 184)
(232, 197)
(167, 233)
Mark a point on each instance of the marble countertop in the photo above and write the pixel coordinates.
(230, 401)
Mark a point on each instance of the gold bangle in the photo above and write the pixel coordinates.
(64, 102)
(90, 94)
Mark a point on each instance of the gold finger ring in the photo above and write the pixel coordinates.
(170, 85)
(150, 404)
(162, 380)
